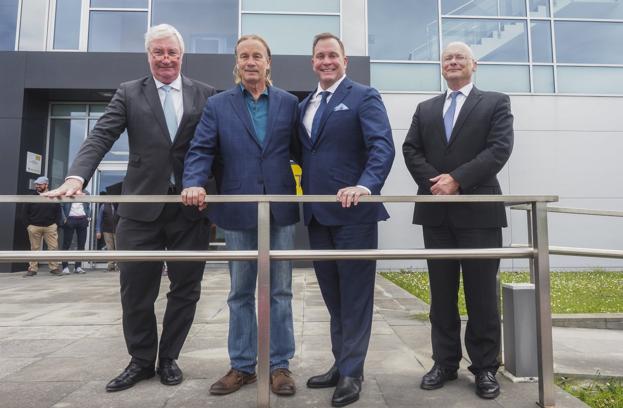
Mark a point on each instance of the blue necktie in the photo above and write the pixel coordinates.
(169, 111)
(321, 108)
(448, 119)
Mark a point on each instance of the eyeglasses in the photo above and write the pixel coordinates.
(460, 58)
(160, 54)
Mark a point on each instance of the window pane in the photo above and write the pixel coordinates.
(8, 24)
(32, 33)
(543, 79)
(541, 41)
(316, 6)
(405, 77)
(120, 151)
(539, 8)
(589, 43)
(288, 34)
(120, 3)
(67, 24)
(69, 110)
(491, 40)
(207, 26)
(484, 7)
(406, 31)
(66, 136)
(588, 9)
(112, 31)
(96, 109)
(590, 80)
(496, 78)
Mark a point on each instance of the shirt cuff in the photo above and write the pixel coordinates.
(365, 188)
(76, 178)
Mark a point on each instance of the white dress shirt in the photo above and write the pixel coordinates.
(314, 104)
(175, 93)
(460, 100)
(77, 210)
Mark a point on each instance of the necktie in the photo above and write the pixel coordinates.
(448, 119)
(321, 108)
(169, 111)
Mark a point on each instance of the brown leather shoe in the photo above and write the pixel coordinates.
(281, 382)
(231, 382)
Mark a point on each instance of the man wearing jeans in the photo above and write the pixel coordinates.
(76, 217)
(246, 136)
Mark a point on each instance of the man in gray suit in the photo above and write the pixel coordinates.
(160, 113)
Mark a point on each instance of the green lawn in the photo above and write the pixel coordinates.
(572, 292)
(599, 393)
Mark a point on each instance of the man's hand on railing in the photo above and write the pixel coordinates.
(194, 196)
(350, 195)
(71, 187)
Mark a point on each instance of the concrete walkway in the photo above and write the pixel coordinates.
(61, 342)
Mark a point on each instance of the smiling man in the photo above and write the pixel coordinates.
(247, 136)
(160, 113)
(457, 143)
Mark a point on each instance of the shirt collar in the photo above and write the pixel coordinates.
(330, 89)
(245, 92)
(464, 91)
(176, 84)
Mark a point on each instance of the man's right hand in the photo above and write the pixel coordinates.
(194, 196)
(69, 188)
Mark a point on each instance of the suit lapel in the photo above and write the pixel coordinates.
(336, 99)
(274, 102)
(188, 104)
(305, 139)
(439, 126)
(240, 107)
(153, 100)
(470, 103)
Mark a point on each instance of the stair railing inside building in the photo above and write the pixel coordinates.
(536, 252)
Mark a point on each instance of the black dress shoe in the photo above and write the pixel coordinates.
(436, 377)
(169, 372)
(132, 374)
(346, 392)
(487, 386)
(326, 380)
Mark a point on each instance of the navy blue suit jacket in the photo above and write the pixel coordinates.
(225, 144)
(354, 147)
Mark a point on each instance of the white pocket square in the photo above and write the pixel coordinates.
(340, 107)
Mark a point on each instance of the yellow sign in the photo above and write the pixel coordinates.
(297, 172)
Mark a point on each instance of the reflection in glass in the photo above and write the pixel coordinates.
(541, 41)
(114, 31)
(491, 40)
(590, 80)
(543, 79)
(66, 136)
(120, 150)
(120, 3)
(290, 34)
(67, 24)
(484, 7)
(503, 78)
(611, 9)
(316, 6)
(539, 8)
(405, 77)
(207, 26)
(579, 42)
(406, 31)
(69, 110)
(8, 24)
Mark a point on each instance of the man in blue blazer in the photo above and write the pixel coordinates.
(347, 150)
(246, 137)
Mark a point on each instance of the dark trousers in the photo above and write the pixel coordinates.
(79, 226)
(482, 335)
(347, 288)
(140, 283)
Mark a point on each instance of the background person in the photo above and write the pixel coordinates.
(105, 227)
(76, 218)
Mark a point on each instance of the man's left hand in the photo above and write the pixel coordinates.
(444, 184)
(350, 195)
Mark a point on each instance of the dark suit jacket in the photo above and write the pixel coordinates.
(480, 144)
(225, 142)
(137, 108)
(354, 147)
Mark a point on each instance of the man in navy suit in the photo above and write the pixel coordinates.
(348, 151)
(247, 135)
(457, 143)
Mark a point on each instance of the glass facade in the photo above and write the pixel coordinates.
(8, 24)
(531, 49)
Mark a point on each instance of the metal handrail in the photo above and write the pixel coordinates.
(537, 253)
(569, 210)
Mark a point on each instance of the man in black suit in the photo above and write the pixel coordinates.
(160, 113)
(457, 144)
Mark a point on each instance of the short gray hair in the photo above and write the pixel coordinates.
(161, 31)
(460, 44)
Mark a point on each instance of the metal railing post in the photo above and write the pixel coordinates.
(263, 304)
(545, 351)
(530, 242)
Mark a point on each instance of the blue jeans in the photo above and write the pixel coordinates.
(242, 341)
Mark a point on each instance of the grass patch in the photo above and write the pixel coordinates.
(597, 393)
(572, 292)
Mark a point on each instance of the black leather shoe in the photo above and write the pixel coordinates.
(129, 377)
(326, 380)
(346, 392)
(169, 372)
(436, 377)
(487, 386)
